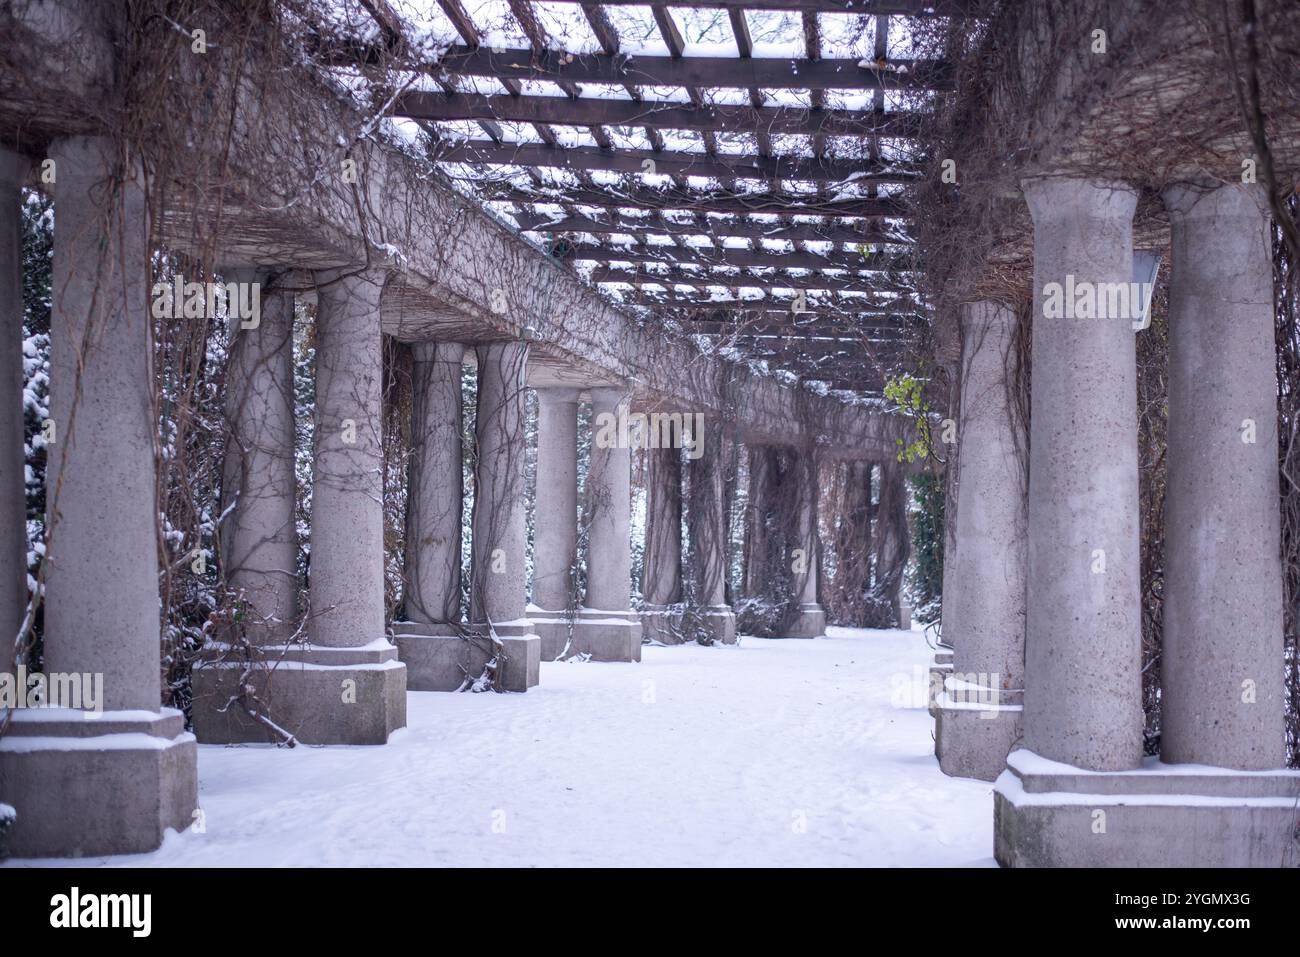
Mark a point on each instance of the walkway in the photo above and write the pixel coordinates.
(697, 756)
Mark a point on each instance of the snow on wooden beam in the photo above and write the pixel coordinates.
(721, 166)
(767, 281)
(712, 256)
(784, 73)
(590, 111)
(711, 227)
(908, 8)
(704, 201)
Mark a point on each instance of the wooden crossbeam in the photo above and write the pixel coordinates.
(782, 305)
(774, 327)
(698, 72)
(811, 169)
(902, 8)
(747, 280)
(701, 201)
(711, 226)
(712, 256)
(591, 111)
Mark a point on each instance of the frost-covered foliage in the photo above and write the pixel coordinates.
(38, 260)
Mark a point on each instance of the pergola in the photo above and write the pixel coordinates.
(737, 167)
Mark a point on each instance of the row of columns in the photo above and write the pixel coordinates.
(1042, 602)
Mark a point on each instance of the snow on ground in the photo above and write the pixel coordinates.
(772, 752)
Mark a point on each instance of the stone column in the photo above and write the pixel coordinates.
(1083, 626)
(498, 588)
(347, 686)
(1222, 668)
(892, 547)
(980, 710)
(806, 618)
(707, 519)
(259, 550)
(555, 519)
(661, 585)
(13, 504)
(113, 785)
(429, 640)
(758, 532)
(607, 628)
(435, 497)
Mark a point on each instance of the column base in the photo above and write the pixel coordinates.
(607, 635)
(718, 622)
(940, 668)
(443, 657)
(806, 621)
(552, 627)
(662, 623)
(319, 695)
(85, 785)
(975, 729)
(1047, 814)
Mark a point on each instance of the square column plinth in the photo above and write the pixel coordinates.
(1048, 814)
(975, 726)
(443, 657)
(87, 784)
(662, 623)
(317, 694)
(607, 635)
(807, 620)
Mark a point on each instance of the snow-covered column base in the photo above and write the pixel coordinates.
(83, 782)
(1047, 814)
(662, 624)
(346, 685)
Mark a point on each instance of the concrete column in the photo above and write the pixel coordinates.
(259, 541)
(441, 653)
(758, 533)
(707, 519)
(806, 619)
(13, 508)
(101, 611)
(1083, 625)
(979, 713)
(555, 518)
(661, 586)
(500, 537)
(113, 785)
(435, 497)
(892, 548)
(347, 522)
(347, 686)
(1222, 670)
(607, 628)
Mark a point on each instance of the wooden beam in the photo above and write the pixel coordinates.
(591, 111)
(712, 256)
(768, 281)
(711, 226)
(784, 73)
(902, 8)
(772, 327)
(701, 201)
(780, 305)
(677, 163)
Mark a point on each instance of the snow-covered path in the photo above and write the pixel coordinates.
(768, 753)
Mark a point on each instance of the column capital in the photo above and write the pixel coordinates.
(439, 351)
(1212, 199)
(557, 394)
(1057, 198)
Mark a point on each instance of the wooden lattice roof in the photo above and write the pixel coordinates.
(737, 166)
